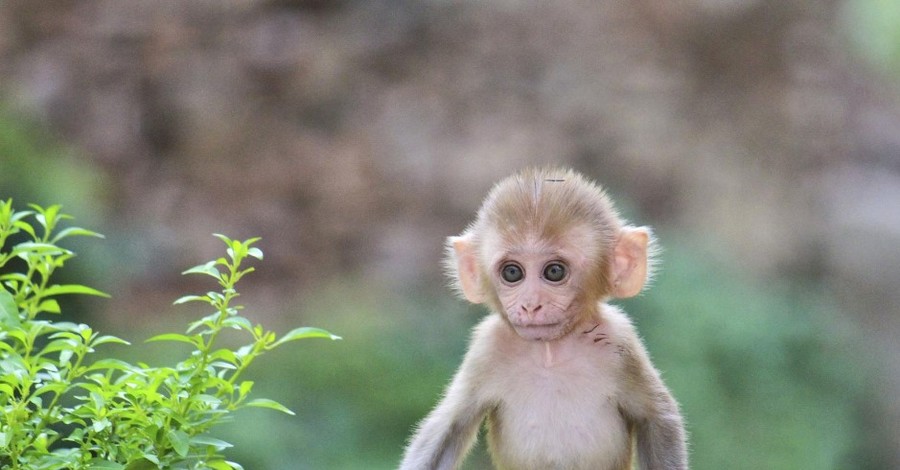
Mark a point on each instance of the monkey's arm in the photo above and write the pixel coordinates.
(654, 414)
(449, 431)
(660, 437)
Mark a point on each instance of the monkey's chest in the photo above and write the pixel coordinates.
(559, 418)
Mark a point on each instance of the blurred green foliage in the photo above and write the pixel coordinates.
(873, 29)
(768, 375)
(34, 166)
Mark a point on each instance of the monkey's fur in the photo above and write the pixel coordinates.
(561, 377)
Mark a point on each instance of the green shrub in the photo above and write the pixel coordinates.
(60, 410)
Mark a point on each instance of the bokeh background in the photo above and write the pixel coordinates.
(761, 139)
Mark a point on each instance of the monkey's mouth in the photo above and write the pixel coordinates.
(538, 331)
(537, 325)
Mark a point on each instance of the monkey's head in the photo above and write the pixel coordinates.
(546, 247)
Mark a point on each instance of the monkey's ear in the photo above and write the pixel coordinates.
(630, 262)
(467, 273)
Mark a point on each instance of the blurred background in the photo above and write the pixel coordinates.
(760, 138)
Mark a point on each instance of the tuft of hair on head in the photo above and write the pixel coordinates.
(547, 202)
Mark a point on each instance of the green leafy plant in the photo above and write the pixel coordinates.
(61, 410)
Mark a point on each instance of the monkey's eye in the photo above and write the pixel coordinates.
(555, 272)
(512, 273)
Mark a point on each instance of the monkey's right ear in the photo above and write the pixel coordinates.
(467, 273)
(631, 262)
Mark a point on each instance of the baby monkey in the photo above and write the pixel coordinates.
(561, 377)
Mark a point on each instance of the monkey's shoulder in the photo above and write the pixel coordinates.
(492, 337)
(615, 322)
(616, 319)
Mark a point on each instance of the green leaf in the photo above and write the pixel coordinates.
(208, 322)
(109, 339)
(245, 388)
(25, 226)
(224, 355)
(101, 424)
(56, 387)
(238, 323)
(48, 216)
(19, 335)
(219, 465)
(37, 248)
(59, 345)
(244, 272)
(67, 326)
(18, 277)
(152, 458)
(255, 252)
(9, 311)
(65, 356)
(244, 351)
(40, 443)
(49, 306)
(223, 238)
(100, 464)
(206, 268)
(142, 464)
(208, 400)
(114, 364)
(75, 231)
(71, 289)
(271, 404)
(224, 365)
(303, 333)
(193, 340)
(180, 442)
(191, 298)
(210, 441)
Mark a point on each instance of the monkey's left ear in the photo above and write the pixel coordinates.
(629, 265)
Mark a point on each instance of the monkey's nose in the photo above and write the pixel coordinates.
(531, 310)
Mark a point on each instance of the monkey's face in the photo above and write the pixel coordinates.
(539, 285)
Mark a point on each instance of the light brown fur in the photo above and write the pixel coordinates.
(561, 378)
